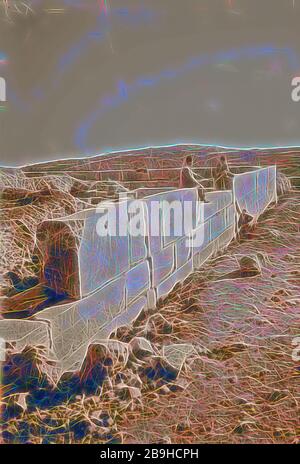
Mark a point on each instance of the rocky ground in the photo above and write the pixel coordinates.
(246, 387)
(238, 384)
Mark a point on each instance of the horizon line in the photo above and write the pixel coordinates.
(124, 150)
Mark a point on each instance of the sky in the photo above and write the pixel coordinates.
(85, 77)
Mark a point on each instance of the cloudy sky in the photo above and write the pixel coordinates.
(88, 76)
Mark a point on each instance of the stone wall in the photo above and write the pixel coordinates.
(122, 276)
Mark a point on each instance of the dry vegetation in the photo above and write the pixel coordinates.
(240, 384)
(25, 203)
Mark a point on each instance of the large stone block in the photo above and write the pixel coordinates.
(138, 231)
(230, 216)
(220, 198)
(75, 359)
(182, 251)
(75, 326)
(201, 237)
(105, 303)
(101, 258)
(226, 237)
(137, 281)
(178, 276)
(163, 264)
(178, 215)
(245, 188)
(218, 224)
(200, 257)
(25, 332)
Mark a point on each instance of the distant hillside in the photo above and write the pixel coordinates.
(287, 159)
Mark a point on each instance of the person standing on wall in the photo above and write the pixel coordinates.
(222, 175)
(187, 178)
